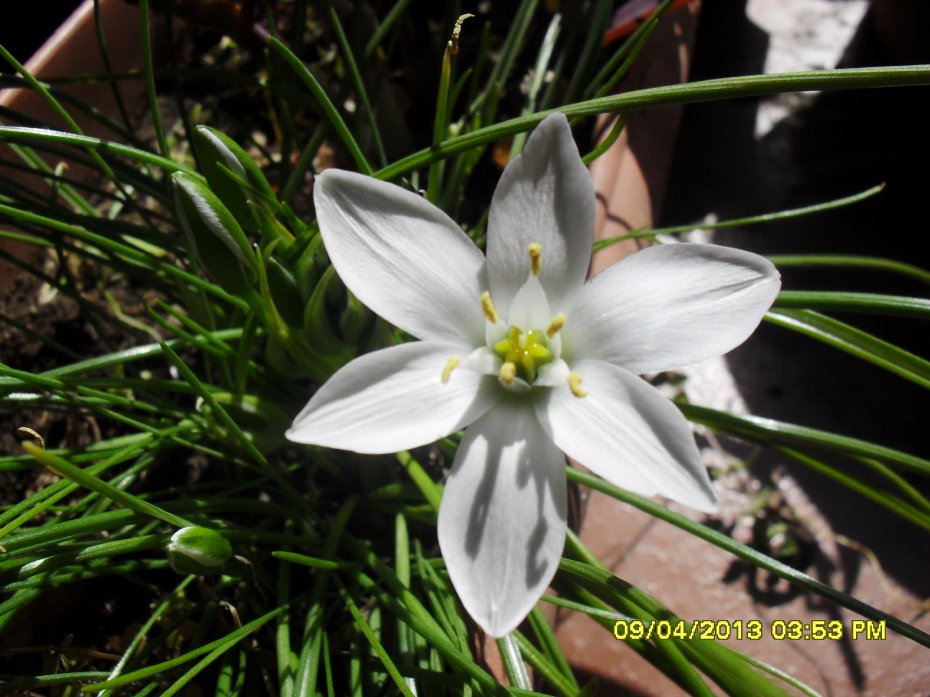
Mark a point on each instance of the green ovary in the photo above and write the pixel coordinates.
(526, 351)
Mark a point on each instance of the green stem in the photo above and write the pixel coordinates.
(79, 476)
(702, 91)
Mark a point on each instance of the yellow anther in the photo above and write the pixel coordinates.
(555, 326)
(487, 307)
(574, 384)
(508, 373)
(451, 365)
(535, 250)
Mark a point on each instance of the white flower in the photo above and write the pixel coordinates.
(533, 360)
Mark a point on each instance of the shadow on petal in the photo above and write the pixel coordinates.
(481, 505)
(503, 516)
(535, 564)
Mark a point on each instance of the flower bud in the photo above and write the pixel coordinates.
(284, 293)
(320, 320)
(310, 266)
(232, 174)
(215, 237)
(197, 550)
(355, 320)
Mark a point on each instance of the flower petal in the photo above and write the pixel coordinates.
(403, 257)
(502, 517)
(670, 306)
(545, 195)
(395, 399)
(530, 307)
(629, 434)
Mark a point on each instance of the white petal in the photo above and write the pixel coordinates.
(629, 434)
(403, 257)
(670, 306)
(483, 360)
(502, 518)
(530, 307)
(552, 374)
(395, 399)
(545, 195)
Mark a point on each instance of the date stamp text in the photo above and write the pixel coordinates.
(753, 630)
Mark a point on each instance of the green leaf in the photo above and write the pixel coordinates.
(779, 432)
(867, 303)
(700, 91)
(329, 110)
(214, 235)
(851, 262)
(221, 158)
(854, 341)
(78, 476)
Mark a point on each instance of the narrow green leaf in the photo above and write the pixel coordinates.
(376, 645)
(779, 432)
(892, 503)
(157, 613)
(545, 668)
(397, 11)
(540, 69)
(546, 638)
(79, 476)
(431, 491)
(748, 220)
(868, 303)
(513, 662)
(603, 147)
(699, 91)
(149, 72)
(854, 341)
(851, 262)
(215, 649)
(329, 110)
(216, 409)
(361, 92)
(304, 560)
(313, 637)
(93, 144)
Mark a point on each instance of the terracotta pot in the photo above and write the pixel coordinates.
(73, 50)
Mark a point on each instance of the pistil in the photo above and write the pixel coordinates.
(526, 352)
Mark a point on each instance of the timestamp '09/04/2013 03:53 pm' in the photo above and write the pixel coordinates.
(753, 630)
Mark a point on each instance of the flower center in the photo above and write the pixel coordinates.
(525, 351)
(522, 353)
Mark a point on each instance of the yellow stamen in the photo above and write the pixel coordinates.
(508, 373)
(556, 325)
(451, 365)
(535, 250)
(574, 384)
(487, 307)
